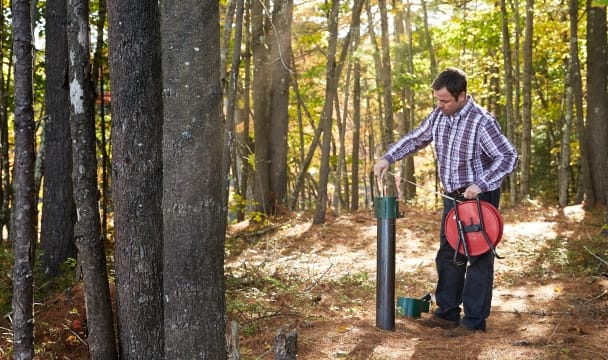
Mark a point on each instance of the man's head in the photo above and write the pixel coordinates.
(450, 90)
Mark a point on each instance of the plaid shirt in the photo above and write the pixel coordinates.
(469, 146)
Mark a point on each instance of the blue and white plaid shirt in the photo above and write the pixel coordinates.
(469, 145)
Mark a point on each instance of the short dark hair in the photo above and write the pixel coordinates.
(453, 79)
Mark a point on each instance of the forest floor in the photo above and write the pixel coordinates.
(550, 290)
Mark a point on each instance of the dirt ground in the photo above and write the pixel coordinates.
(540, 310)
(550, 297)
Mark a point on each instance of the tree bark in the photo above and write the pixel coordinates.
(194, 192)
(24, 213)
(135, 60)
(597, 109)
(508, 79)
(354, 201)
(279, 94)
(584, 185)
(526, 136)
(564, 156)
(58, 216)
(261, 106)
(87, 230)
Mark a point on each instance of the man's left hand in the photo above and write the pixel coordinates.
(472, 191)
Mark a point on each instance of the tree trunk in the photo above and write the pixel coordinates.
(246, 143)
(135, 61)
(282, 16)
(508, 79)
(261, 107)
(354, 201)
(97, 74)
(526, 136)
(387, 91)
(597, 109)
(58, 216)
(24, 213)
(564, 156)
(231, 102)
(87, 230)
(408, 190)
(194, 192)
(584, 186)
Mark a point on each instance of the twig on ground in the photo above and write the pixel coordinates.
(554, 330)
(596, 297)
(314, 283)
(265, 353)
(534, 312)
(595, 256)
(76, 335)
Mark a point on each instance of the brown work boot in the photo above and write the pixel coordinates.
(460, 331)
(437, 322)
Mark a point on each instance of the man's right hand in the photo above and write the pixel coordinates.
(381, 168)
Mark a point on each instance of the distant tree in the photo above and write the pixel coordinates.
(508, 80)
(335, 64)
(87, 230)
(24, 213)
(526, 136)
(57, 228)
(194, 191)
(137, 115)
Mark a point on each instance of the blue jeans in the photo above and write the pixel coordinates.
(469, 284)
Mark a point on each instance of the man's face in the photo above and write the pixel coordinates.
(447, 103)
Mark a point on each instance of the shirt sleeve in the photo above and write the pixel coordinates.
(412, 141)
(501, 154)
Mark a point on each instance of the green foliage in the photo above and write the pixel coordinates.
(45, 287)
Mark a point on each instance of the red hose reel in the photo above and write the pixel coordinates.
(474, 227)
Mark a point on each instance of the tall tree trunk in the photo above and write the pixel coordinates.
(282, 16)
(526, 136)
(58, 216)
(408, 190)
(135, 60)
(194, 191)
(597, 108)
(508, 79)
(261, 106)
(584, 186)
(24, 214)
(246, 143)
(564, 156)
(97, 75)
(327, 114)
(231, 103)
(387, 91)
(87, 230)
(354, 201)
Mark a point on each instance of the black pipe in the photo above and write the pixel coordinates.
(386, 209)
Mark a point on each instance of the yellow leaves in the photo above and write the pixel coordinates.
(342, 329)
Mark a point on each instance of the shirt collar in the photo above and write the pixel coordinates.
(464, 110)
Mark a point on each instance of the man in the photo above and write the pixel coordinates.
(473, 157)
